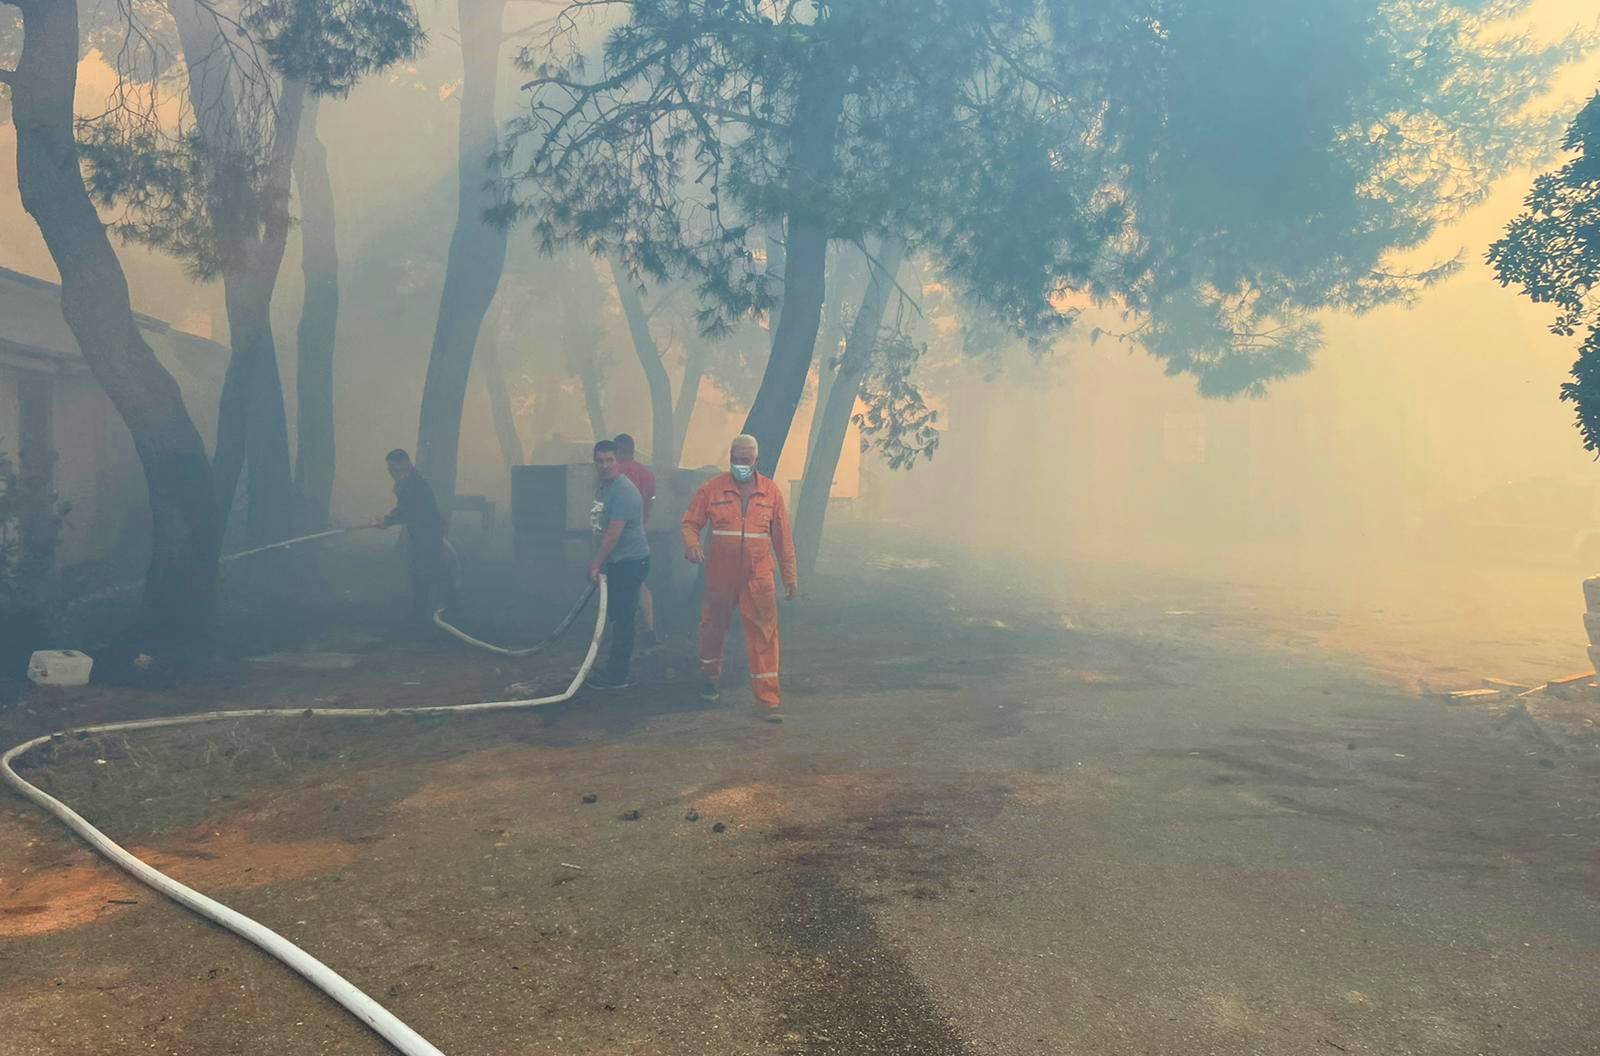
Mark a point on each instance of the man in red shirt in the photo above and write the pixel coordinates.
(645, 481)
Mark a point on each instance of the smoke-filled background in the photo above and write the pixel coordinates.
(1185, 648)
(1420, 480)
(1418, 496)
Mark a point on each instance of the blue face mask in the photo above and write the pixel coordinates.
(743, 473)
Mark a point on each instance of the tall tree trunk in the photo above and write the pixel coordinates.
(826, 372)
(794, 339)
(180, 585)
(594, 395)
(315, 450)
(775, 250)
(477, 251)
(494, 381)
(839, 280)
(249, 212)
(233, 423)
(694, 368)
(271, 512)
(824, 461)
(655, 371)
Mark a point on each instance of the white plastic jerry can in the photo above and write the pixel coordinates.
(60, 667)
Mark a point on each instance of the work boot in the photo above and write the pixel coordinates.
(710, 692)
(766, 714)
(606, 682)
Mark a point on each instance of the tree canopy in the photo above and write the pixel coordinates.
(680, 154)
(1219, 172)
(164, 145)
(1552, 250)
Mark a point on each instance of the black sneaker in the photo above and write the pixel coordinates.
(710, 692)
(605, 682)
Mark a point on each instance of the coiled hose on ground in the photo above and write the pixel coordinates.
(379, 1019)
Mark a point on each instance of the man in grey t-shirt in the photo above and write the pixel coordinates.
(624, 557)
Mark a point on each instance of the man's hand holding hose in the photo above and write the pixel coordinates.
(608, 543)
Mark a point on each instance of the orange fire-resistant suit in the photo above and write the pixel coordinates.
(745, 534)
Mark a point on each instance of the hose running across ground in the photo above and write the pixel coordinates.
(381, 1020)
(500, 650)
(438, 617)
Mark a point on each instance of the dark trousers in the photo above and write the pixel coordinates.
(433, 587)
(623, 580)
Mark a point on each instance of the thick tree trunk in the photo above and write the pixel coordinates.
(252, 426)
(694, 368)
(655, 371)
(794, 339)
(180, 586)
(793, 343)
(494, 382)
(775, 251)
(832, 332)
(271, 513)
(315, 448)
(232, 443)
(826, 372)
(824, 461)
(274, 508)
(594, 392)
(477, 252)
(250, 216)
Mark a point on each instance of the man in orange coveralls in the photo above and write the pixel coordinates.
(749, 525)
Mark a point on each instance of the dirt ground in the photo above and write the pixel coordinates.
(1095, 811)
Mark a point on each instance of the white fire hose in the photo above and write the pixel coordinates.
(135, 584)
(286, 543)
(386, 1024)
(500, 650)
